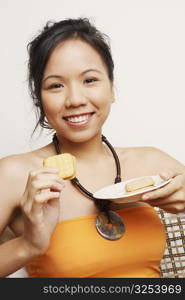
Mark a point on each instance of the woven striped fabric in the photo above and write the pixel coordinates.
(173, 262)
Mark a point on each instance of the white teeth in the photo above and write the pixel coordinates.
(78, 119)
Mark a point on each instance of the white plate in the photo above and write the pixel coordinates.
(118, 193)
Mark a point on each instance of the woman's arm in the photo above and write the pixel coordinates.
(37, 193)
(171, 197)
(6, 235)
(14, 252)
(12, 181)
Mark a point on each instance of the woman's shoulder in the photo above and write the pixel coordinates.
(136, 152)
(13, 181)
(150, 156)
(24, 161)
(15, 164)
(146, 152)
(14, 169)
(14, 172)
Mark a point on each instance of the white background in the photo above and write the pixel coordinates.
(148, 45)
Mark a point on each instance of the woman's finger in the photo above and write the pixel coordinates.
(173, 208)
(50, 176)
(49, 170)
(169, 174)
(40, 185)
(42, 198)
(165, 191)
(173, 198)
(45, 196)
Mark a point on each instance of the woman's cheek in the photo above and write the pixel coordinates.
(51, 103)
(100, 97)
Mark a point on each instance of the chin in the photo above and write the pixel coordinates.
(81, 137)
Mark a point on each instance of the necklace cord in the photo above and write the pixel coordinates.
(103, 205)
(118, 167)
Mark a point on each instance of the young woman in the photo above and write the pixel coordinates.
(59, 229)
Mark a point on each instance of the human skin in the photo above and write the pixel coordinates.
(75, 91)
(37, 200)
(76, 82)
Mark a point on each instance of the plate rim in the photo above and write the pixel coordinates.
(136, 192)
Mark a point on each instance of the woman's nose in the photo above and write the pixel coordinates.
(75, 96)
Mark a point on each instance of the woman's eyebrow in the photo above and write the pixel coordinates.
(91, 70)
(61, 77)
(52, 76)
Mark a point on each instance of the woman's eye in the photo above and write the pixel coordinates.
(55, 86)
(90, 80)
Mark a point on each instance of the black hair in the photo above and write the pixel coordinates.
(41, 47)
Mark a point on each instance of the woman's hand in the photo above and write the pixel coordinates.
(41, 207)
(171, 197)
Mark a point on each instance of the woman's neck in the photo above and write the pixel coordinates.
(90, 150)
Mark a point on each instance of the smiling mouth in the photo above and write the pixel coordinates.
(79, 119)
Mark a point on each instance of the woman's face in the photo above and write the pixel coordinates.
(76, 91)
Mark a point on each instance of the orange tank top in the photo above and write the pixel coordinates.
(77, 250)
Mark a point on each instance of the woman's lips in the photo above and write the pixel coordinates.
(78, 120)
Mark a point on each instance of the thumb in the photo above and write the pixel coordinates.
(167, 174)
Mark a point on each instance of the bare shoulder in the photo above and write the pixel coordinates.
(14, 167)
(148, 160)
(13, 164)
(14, 170)
(133, 153)
(21, 163)
(156, 156)
(12, 174)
